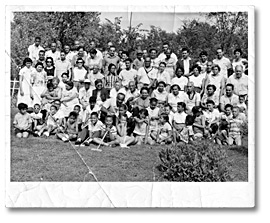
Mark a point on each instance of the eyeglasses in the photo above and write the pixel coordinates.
(49, 61)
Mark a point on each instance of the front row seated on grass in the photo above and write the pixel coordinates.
(149, 126)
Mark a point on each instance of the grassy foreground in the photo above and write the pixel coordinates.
(39, 159)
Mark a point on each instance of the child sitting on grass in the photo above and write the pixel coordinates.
(179, 117)
(51, 123)
(141, 128)
(153, 114)
(108, 134)
(69, 131)
(212, 117)
(77, 110)
(164, 133)
(199, 122)
(186, 134)
(37, 118)
(235, 125)
(92, 130)
(123, 138)
(22, 122)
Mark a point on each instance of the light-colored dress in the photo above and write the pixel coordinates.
(39, 85)
(68, 106)
(25, 73)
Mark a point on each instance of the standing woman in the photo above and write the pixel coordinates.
(25, 95)
(163, 75)
(50, 68)
(38, 80)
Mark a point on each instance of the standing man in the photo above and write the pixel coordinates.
(69, 54)
(62, 66)
(111, 58)
(40, 58)
(128, 74)
(223, 62)
(203, 61)
(186, 62)
(53, 52)
(165, 47)
(99, 55)
(33, 50)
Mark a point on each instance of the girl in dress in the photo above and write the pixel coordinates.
(25, 94)
(38, 80)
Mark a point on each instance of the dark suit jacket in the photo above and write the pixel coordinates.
(180, 63)
(104, 95)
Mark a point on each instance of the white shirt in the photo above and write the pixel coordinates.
(33, 51)
(145, 76)
(55, 55)
(160, 96)
(162, 56)
(164, 76)
(240, 84)
(181, 82)
(127, 75)
(179, 118)
(186, 65)
(130, 94)
(62, 67)
(224, 64)
(211, 116)
(197, 80)
(173, 100)
(113, 92)
(79, 74)
(153, 112)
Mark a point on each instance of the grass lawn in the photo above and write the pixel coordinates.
(39, 159)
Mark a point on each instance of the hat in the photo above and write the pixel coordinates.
(87, 81)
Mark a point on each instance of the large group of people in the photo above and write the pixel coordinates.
(110, 99)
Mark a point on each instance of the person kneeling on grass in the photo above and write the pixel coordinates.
(92, 130)
(22, 121)
(37, 118)
(108, 134)
(69, 131)
(123, 138)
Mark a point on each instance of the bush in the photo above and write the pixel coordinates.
(197, 162)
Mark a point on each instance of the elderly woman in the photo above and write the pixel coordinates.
(176, 96)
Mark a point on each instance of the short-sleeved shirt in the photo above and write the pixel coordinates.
(191, 102)
(233, 100)
(22, 121)
(198, 81)
(164, 76)
(186, 133)
(173, 100)
(213, 97)
(33, 51)
(240, 84)
(108, 60)
(97, 127)
(130, 94)
(143, 103)
(138, 63)
(127, 75)
(160, 96)
(113, 92)
(179, 118)
(144, 75)
(180, 81)
(153, 112)
(164, 129)
(110, 104)
(240, 62)
(224, 64)
(84, 95)
(79, 74)
(93, 77)
(211, 116)
(62, 66)
(110, 81)
(55, 55)
(215, 80)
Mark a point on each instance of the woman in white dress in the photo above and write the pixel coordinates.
(38, 80)
(25, 95)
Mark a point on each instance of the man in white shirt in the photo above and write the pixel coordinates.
(223, 62)
(34, 49)
(228, 98)
(239, 81)
(62, 66)
(69, 54)
(165, 47)
(128, 74)
(53, 52)
(93, 46)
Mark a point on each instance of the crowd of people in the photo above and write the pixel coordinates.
(109, 99)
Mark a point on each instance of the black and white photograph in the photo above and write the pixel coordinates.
(130, 96)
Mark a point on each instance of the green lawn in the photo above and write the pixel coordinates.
(39, 159)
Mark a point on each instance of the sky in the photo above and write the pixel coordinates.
(167, 21)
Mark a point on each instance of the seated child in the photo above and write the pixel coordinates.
(22, 122)
(52, 122)
(179, 117)
(46, 96)
(164, 133)
(123, 110)
(108, 134)
(168, 111)
(92, 130)
(123, 138)
(69, 131)
(242, 105)
(186, 134)
(37, 118)
(199, 122)
(153, 114)
(212, 117)
(141, 129)
(235, 125)
(92, 107)
(77, 110)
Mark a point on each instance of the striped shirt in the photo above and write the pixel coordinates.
(110, 80)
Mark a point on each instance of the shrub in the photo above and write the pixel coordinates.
(197, 162)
